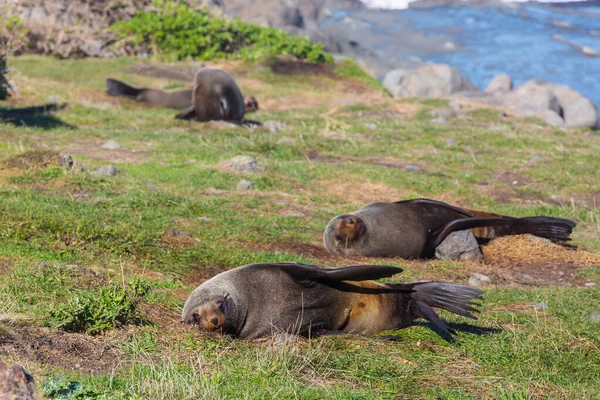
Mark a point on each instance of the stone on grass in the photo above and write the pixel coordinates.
(594, 317)
(479, 279)
(429, 80)
(244, 184)
(16, 383)
(245, 164)
(447, 112)
(106, 170)
(540, 306)
(460, 245)
(285, 140)
(274, 126)
(111, 145)
(370, 125)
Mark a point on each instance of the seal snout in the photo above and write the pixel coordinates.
(348, 229)
(208, 316)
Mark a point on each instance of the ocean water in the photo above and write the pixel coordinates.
(514, 40)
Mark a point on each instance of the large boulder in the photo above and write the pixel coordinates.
(429, 80)
(577, 110)
(499, 83)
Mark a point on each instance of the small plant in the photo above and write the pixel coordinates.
(96, 312)
(61, 389)
(180, 31)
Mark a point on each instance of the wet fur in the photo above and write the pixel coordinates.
(414, 228)
(264, 299)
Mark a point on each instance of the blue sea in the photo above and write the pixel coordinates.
(515, 40)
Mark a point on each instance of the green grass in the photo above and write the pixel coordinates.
(71, 234)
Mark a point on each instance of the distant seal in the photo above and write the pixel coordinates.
(414, 228)
(258, 300)
(216, 96)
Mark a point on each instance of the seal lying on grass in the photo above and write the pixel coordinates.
(215, 96)
(258, 300)
(414, 228)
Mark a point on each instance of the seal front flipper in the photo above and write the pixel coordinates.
(187, 114)
(118, 88)
(305, 272)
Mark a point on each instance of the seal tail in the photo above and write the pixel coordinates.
(457, 299)
(118, 88)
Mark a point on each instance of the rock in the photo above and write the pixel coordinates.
(527, 277)
(346, 102)
(531, 99)
(245, 164)
(244, 184)
(13, 87)
(589, 284)
(222, 125)
(152, 186)
(67, 161)
(411, 167)
(111, 145)
(551, 118)
(274, 126)
(370, 125)
(460, 245)
(54, 100)
(16, 383)
(594, 317)
(535, 159)
(499, 83)
(285, 140)
(540, 306)
(447, 112)
(455, 105)
(95, 48)
(577, 110)
(439, 120)
(106, 170)
(429, 80)
(479, 279)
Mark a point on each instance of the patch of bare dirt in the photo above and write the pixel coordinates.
(71, 351)
(93, 149)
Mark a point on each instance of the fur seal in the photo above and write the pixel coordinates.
(258, 300)
(414, 228)
(215, 96)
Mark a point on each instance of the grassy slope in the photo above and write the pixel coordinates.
(65, 233)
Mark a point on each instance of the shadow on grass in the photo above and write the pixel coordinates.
(459, 327)
(36, 116)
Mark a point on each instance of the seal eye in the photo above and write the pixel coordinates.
(350, 221)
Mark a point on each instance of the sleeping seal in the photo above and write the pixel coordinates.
(414, 228)
(258, 300)
(215, 96)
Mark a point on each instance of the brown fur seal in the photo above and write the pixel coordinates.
(258, 300)
(414, 228)
(216, 96)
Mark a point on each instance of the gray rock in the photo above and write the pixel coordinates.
(531, 99)
(439, 120)
(37, 15)
(429, 80)
(540, 306)
(594, 317)
(479, 279)
(106, 170)
(152, 186)
(16, 383)
(447, 112)
(551, 118)
(460, 245)
(244, 184)
(245, 164)
(577, 110)
(370, 125)
(590, 284)
(95, 48)
(499, 83)
(527, 277)
(285, 140)
(54, 100)
(13, 87)
(274, 126)
(111, 145)
(411, 167)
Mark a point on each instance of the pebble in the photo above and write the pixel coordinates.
(411, 167)
(111, 145)
(274, 126)
(370, 125)
(590, 284)
(245, 164)
(460, 245)
(527, 277)
(479, 279)
(285, 140)
(244, 184)
(540, 306)
(54, 100)
(152, 186)
(594, 317)
(106, 170)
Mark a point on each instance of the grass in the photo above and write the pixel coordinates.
(171, 218)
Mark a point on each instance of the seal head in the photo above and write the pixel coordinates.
(211, 309)
(343, 232)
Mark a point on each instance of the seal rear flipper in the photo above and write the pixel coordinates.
(458, 299)
(118, 88)
(429, 314)
(304, 272)
(187, 114)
